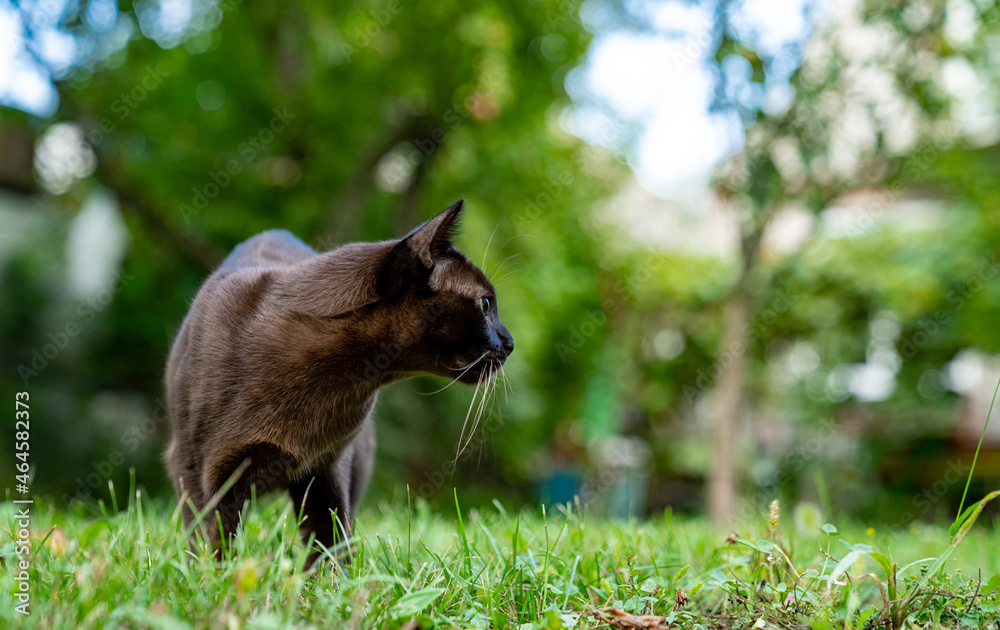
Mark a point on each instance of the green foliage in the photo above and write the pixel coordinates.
(315, 115)
(385, 112)
(921, 592)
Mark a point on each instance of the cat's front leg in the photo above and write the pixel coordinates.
(362, 462)
(260, 465)
(326, 499)
(322, 505)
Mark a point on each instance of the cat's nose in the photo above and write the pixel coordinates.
(507, 341)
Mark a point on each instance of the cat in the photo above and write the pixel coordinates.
(274, 374)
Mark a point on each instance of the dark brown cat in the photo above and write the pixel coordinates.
(279, 360)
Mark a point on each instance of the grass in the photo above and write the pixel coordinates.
(133, 568)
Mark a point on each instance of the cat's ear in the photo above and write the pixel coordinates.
(432, 239)
(412, 259)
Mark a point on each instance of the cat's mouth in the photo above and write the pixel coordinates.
(479, 369)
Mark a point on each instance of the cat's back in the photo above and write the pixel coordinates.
(244, 302)
(242, 285)
(231, 299)
(273, 248)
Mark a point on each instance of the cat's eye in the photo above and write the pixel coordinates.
(485, 302)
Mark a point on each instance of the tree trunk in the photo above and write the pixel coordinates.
(722, 492)
(409, 207)
(346, 209)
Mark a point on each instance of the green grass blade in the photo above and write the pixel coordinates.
(955, 542)
(959, 520)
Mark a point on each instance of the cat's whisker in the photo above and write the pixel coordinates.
(465, 423)
(479, 411)
(500, 379)
(496, 397)
(461, 435)
(500, 265)
(473, 363)
(489, 412)
(496, 385)
(500, 279)
(514, 255)
(487, 250)
(511, 239)
(489, 399)
(504, 268)
(482, 404)
(508, 381)
(493, 438)
(504, 375)
(455, 380)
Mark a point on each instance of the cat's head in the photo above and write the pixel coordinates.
(450, 305)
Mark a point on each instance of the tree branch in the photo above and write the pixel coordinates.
(193, 247)
(346, 208)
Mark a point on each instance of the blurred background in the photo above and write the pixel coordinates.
(747, 248)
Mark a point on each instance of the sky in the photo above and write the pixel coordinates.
(24, 84)
(662, 82)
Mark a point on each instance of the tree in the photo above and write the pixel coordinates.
(338, 123)
(837, 136)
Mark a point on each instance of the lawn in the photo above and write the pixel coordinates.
(131, 567)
